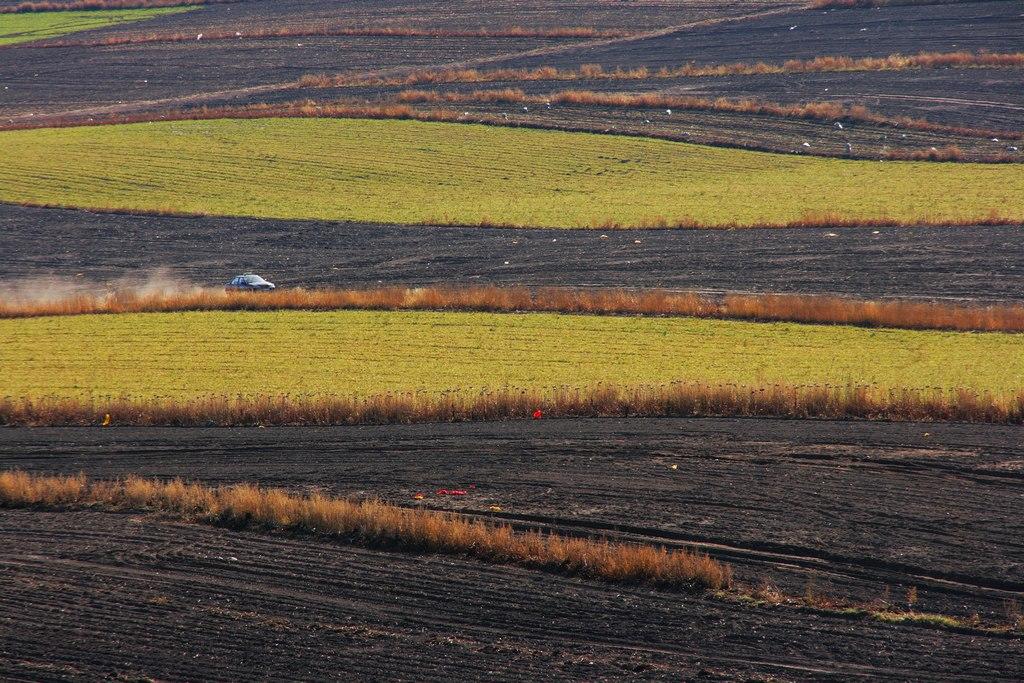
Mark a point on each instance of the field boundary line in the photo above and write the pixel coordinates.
(758, 307)
(810, 221)
(673, 399)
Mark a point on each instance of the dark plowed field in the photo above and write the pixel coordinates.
(154, 77)
(766, 133)
(141, 76)
(38, 80)
(995, 26)
(973, 98)
(92, 595)
(452, 14)
(987, 99)
(852, 509)
(74, 247)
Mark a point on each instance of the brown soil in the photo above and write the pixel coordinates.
(94, 595)
(452, 14)
(94, 250)
(993, 26)
(970, 98)
(813, 492)
(38, 80)
(153, 77)
(854, 510)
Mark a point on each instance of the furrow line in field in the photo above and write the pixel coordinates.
(251, 91)
(768, 553)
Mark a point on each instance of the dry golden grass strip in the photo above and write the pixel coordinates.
(676, 399)
(372, 523)
(342, 31)
(900, 314)
(828, 63)
(767, 307)
(294, 109)
(376, 524)
(817, 111)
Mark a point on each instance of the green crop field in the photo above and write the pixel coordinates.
(415, 172)
(184, 355)
(28, 26)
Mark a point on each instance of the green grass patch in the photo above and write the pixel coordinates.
(29, 26)
(415, 172)
(188, 355)
(923, 618)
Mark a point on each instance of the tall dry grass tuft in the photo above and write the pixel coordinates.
(676, 399)
(816, 309)
(20, 488)
(897, 313)
(376, 524)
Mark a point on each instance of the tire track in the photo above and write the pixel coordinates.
(263, 602)
(860, 506)
(936, 100)
(759, 555)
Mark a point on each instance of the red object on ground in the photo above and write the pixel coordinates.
(537, 414)
(458, 492)
(442, 492)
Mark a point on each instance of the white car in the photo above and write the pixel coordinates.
(249, 283)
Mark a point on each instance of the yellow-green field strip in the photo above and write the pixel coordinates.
(29, 26)
(193, 355)
(415, 172)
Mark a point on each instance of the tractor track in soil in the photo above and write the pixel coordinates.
(78, 250)
(247, 93)
(100, 594)
(794, 502)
